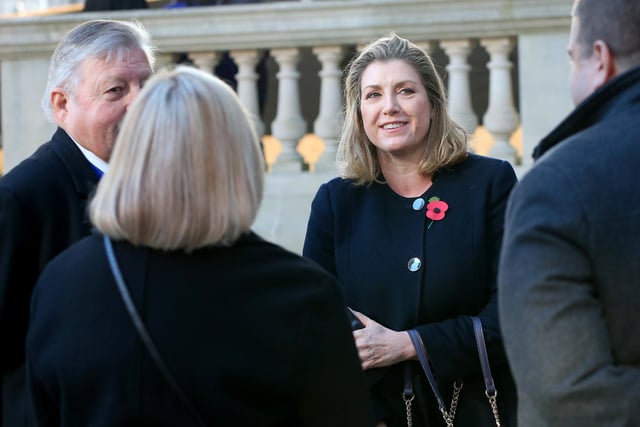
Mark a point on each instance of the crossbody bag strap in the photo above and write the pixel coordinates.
(490, 388)
(142, 330)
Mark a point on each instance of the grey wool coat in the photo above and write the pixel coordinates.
(569, 276)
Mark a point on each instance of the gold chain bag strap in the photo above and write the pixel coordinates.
(449, 415)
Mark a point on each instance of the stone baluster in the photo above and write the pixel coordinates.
(501, 118)
(460, 107)
(427, 46)
(205, 61)
(327, 125)
(289, 125)
(247, 79)
(164, 60)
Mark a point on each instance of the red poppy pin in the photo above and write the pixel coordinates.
(436, 209)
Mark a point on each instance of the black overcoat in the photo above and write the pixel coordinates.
(254, 335)
(42, 211)
(370, 236)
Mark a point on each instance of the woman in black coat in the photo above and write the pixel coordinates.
(251, 335)
(412, 230)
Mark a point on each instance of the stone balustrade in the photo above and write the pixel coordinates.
(504, 62)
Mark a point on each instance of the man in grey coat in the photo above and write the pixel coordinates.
(569, 276)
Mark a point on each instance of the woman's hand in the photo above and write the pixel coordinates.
(379, 346)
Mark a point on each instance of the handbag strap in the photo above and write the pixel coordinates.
(484, 358)
(421, 352)
(142, 330)
(490, 388)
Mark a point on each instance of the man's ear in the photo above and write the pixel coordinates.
(606, 63)
(59, 104)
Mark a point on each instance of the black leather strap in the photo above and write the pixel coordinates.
(408, 381)
(421, 351)
(142, 330)
(484, 358)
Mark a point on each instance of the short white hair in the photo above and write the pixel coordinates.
(101, 38)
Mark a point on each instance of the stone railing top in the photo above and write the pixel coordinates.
(302, 23)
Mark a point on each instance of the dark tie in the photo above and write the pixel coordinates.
(98, 171)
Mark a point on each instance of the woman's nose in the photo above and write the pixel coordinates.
(391, 105)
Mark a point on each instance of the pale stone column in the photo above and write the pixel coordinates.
(459, 89)
(538, 88)
(501, 118)
(427, 47)
(327, 125)
(205, 61)
(24, 127)
(247, 78)
(289, 125)
(164, 60)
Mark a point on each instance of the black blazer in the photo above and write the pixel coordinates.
(42, 211)
(368, 237)
(255, 336)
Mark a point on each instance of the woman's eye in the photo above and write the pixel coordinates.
(407, 91)
(371, 95)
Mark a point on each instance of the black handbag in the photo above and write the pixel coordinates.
(449, 414)
(142, 330)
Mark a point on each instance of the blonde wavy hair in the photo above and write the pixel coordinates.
(446, 142)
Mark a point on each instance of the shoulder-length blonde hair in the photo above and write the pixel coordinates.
(446, 142)
(186, 170)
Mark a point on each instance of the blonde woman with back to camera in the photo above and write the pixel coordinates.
(246, 333)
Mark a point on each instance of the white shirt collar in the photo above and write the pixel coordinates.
(92, 158)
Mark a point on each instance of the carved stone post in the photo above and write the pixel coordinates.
(459, 89)
(501, 118)
(289, 125)
(164, 60)
(327, 125)
(248, 84)
(205, 61)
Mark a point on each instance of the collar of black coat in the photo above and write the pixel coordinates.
(621, 90)
(78, 167)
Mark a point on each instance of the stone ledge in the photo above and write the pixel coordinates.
(298, 24)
